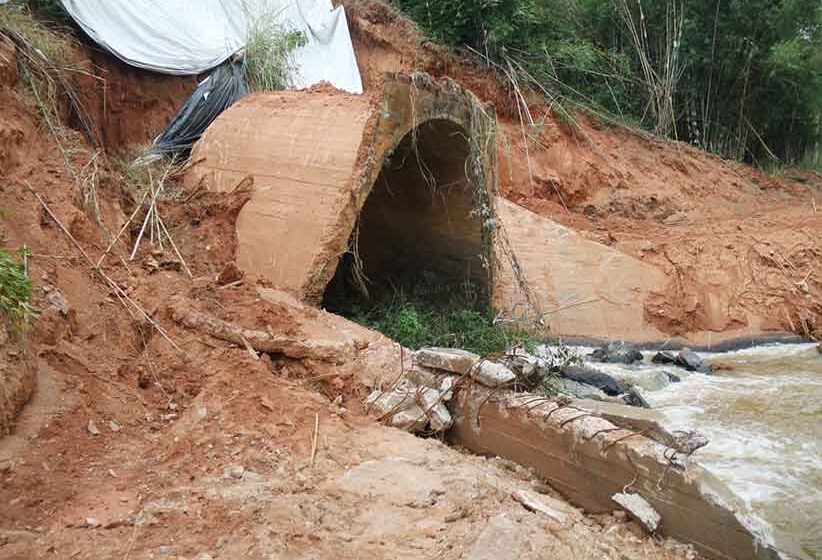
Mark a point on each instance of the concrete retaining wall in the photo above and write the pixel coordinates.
(588, 460)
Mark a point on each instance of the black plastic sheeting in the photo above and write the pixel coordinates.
(216, 93)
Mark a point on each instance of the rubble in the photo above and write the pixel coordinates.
(493, 374)
(412, 408)
(448, 359)
(639, 509)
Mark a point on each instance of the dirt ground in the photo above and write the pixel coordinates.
(131, 448)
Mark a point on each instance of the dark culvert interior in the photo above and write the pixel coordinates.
(417, 236)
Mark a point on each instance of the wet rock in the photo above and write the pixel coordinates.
(580, 390)
(638, 508)
(672, 377)
(664, 357)
(493, 374)
(689, 360)
(633, 397)
(648, 379)
(617, 353)
(590, 376)
(448, 359)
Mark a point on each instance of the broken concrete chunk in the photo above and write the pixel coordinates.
(639, 509)
(431, 402)
(399, 408)
(493, 374)
(447, 388)
(534, 502)
(448, 359)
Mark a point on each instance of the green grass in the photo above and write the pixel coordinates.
(15, 290)
(416, 323)
(269, 54)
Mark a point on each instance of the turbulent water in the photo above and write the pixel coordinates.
(762, 411)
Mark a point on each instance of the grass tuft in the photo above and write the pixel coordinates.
(269, 53)
(15, 289)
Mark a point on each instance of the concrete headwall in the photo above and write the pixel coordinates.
(312, 157)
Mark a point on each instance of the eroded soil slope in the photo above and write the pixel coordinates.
(142, 444)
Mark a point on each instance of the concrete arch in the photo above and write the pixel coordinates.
(313, 158)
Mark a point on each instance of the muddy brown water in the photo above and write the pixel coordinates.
(763, 414)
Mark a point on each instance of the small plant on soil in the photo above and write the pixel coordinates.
(269, 53)
(15, 289)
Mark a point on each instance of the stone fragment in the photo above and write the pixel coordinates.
(672, 377)
(58, 301)
(534, 502)
(493, 374)
(689, 360)
(447, 388)
(647, 378)
(639, 509)
(448, 359)
(114, 426)
(234, 471)
(92, 428)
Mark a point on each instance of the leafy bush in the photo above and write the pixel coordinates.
(15, 290)
(745, 81)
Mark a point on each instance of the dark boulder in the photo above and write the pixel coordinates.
(589, 376)
(634, 398)
(664, 357)
(672, 377)
(617, 353)
(689, 360)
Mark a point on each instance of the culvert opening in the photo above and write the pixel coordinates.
(416, 255)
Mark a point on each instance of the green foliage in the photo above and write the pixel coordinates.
(269, 53)
(415, 323)
(15, 289)
(748, 80)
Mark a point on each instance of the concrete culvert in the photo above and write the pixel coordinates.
(402, 182)
(418, 230)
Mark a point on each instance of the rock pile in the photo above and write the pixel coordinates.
(418, 402)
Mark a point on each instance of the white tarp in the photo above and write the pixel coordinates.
(192, 36)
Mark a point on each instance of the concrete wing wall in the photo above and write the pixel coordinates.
(585, 288)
